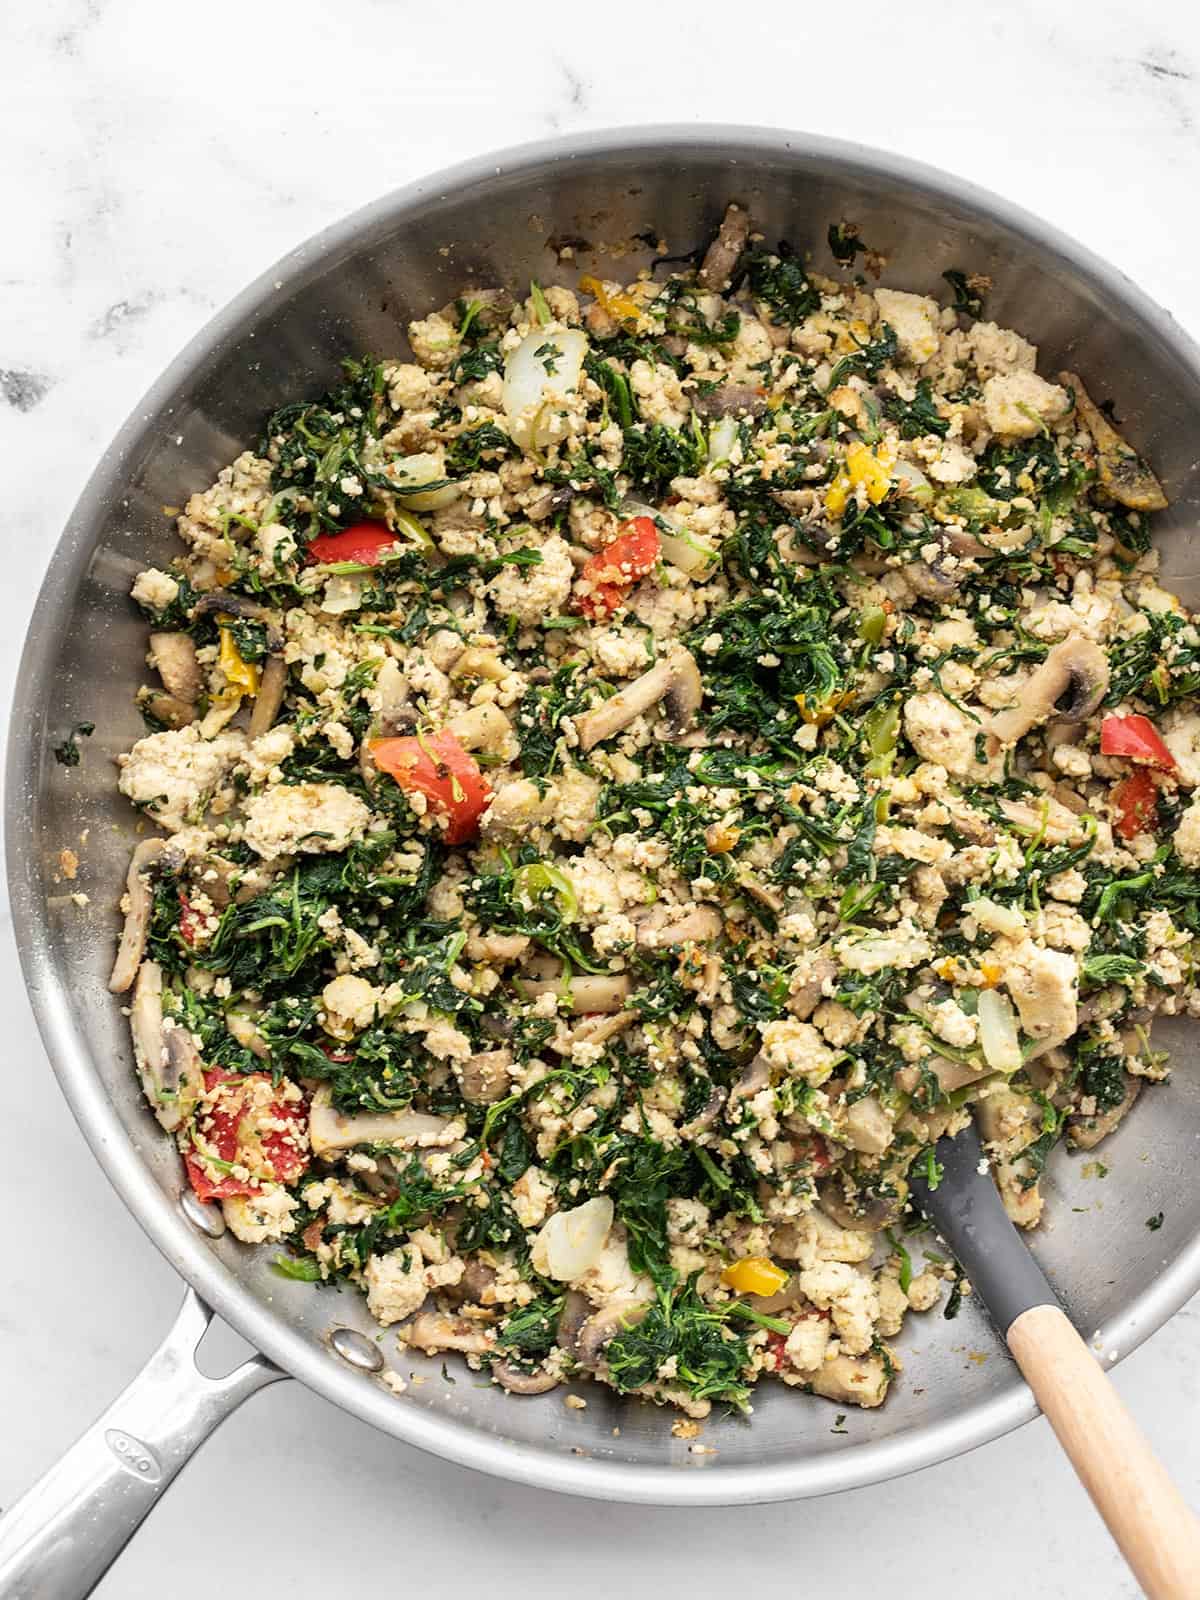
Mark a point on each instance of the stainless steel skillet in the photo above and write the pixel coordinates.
(507, 218)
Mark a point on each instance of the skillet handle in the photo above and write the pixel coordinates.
(61, 1537)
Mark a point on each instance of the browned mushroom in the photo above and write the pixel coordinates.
(166, 708)
(593, 1030)
(432, 1331)
(755, 1077)
(859, 1211)
(675, 681)
(587, 993)
(137, 914)
(271, 687)
(1046, 818)
(477, 1285)
(616, 1317)
(723, 254)
(330, 1130)
(517, 1381)
(661, 926)
(853, 1380)
(1076, 667)
(803, 1001)
(483, 1076)
(490, 309)
(224, 602)
(273, 681)
(790, 1295)
(707, 1115)
(1122, 472)
(182, 1078)
(576, 1309)
(173, 656)
(867, 1127)
(167, 1059)
(146, 1026)
(730, 400)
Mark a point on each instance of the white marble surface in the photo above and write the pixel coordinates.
(153, 159)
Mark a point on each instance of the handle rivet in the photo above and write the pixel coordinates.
(207, 1218)
(356, 1349)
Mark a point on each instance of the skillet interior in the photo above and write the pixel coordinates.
(353, 289)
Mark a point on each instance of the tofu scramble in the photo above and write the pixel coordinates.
(630, 779)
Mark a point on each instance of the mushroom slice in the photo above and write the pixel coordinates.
(706, 1116)
(802, 1002)
(593, 1030)
(273, 681)
(484, 1076)
(431, 1332)
(723, 254)
(1076, 665)
(1122, 471)
(146, 1026)
(477, 1285)
(137, 917)
(330, 1130)
(269, 699)
(675, 680)
(236, 605)
(731, 400)
(480, 661)
(173, 656)
(166, 708)
(587, 994)
(517, 1381)
(754, 1078)
(182, 1079)
(861, 1213)
(1047, 818)
(602, 1326)
(661, 926)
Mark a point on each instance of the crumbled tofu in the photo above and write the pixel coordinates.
(309, 818)
(172, 775)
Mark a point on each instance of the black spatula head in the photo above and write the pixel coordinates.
(967, 1211)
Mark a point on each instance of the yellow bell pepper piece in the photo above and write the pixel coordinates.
(864, 468)
(620, 306)
(754, 1275)
(241, 675)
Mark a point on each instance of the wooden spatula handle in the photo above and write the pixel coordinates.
(1157, 1533)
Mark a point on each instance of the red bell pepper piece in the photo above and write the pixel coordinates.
(612, 572)
(227, 1124)
(1137, 739)
(1136, 802)
(365, 542)
(437, 766)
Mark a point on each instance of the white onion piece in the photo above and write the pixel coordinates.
(411, 471)
(686, 553)
(571, 1241)
(912, 483)
(998, 1031)
(533, 394)
(722, 440)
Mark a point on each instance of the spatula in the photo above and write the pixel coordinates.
(1156, 1531)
